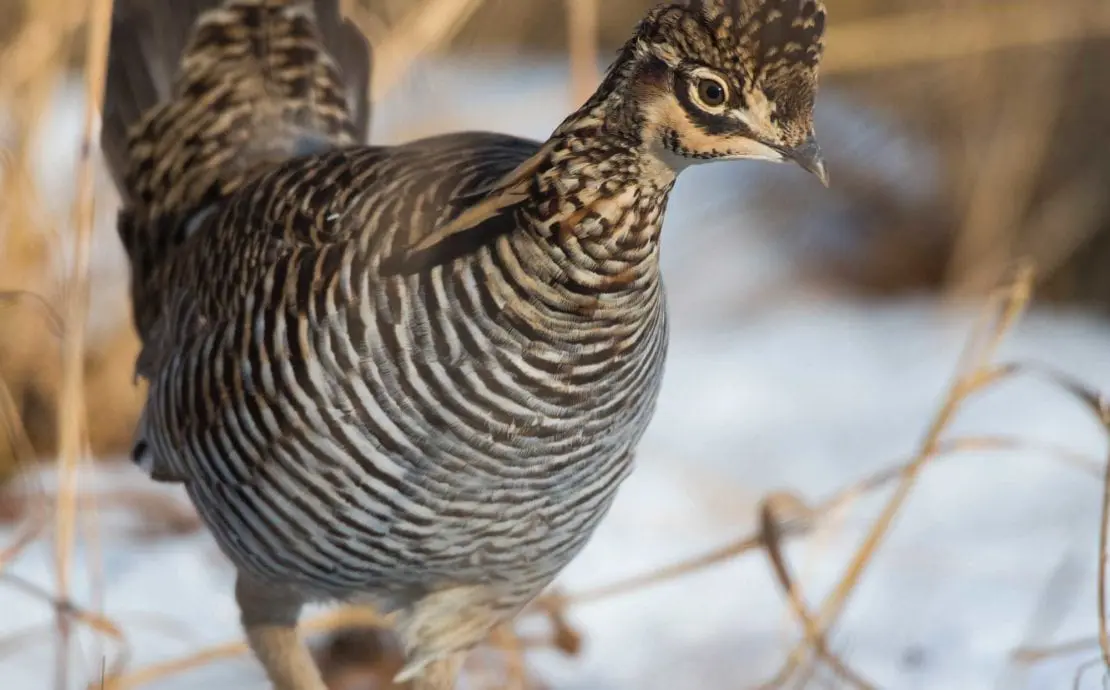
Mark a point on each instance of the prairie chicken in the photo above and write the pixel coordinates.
(413, 375)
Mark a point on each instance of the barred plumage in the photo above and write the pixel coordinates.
(414, 375)
(461, 395)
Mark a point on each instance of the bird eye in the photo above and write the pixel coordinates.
(712, 92)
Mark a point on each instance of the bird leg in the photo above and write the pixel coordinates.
(438, 631)
(269, 617)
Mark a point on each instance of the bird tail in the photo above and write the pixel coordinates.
(202, 94)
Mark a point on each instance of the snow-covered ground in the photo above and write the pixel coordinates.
(993, 551)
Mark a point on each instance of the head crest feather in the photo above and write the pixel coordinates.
(772, 32)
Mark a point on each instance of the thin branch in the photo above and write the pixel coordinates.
(424, 28)
(924, 37)
(582, 31)
(332, 620)
(772, 536)
(71, 407)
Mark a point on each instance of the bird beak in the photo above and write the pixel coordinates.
(808, 155)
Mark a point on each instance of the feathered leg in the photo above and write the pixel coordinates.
(441, 674)
(269, 618)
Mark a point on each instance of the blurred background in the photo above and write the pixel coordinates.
(816, 332)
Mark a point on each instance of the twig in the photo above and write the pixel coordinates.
(832, 606)
(69, 610)
(53, 318)
(771, 533)
(332, 620)
(96, 622)
(582, 32)
(1052, 605)
(423, 28)
(802, 524)
(1103, 636)
(923, 37)
(1083, 668)
(1063, 222)
(987, 240)
(1033, 655)
(71, 413)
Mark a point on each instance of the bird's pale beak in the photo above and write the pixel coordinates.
(808, 156)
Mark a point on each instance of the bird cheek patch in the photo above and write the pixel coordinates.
(701, 141)
(663, 114)
(696, 139)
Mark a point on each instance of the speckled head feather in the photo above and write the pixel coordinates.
(773, 43)
(767, 30)
(723, 79)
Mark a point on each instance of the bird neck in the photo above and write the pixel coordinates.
(597, 206)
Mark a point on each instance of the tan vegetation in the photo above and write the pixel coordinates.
(1007, 93)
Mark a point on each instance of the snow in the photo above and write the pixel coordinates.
(993, 550)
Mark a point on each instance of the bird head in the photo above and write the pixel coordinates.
(723, 80)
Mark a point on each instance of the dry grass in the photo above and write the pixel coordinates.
(582, 27)
(782, 516)
(35, 274)
(1003, 93)
(48, 358)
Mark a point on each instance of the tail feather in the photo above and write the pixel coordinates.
(202, 94)
(147, 42)
(350, 50)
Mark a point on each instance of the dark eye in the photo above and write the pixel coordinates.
(711, 92)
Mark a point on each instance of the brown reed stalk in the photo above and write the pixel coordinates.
(423, 29)
(914, 38)
(582, 33)
(71, 399)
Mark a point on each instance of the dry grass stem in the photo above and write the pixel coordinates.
(159, 515)
(582, 30)
(1103, 635)
(32, 512)
(1034, 655)
(512, 648)
(423, 29)
(974, 377)
(14, 431)
(14, 298)
(71, 400)
(1058, 593)
(93, 620)
(326, 622)
(1064, 221)
(985, 244)
(915, 38)
(805, 518)
(1077, 682)
(100, 624)
(771, 535)
(1006, 178)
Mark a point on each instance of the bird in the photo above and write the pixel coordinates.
(411, 376)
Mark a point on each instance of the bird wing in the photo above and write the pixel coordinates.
(288, 251)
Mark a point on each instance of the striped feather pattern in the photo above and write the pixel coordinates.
(414, 374)
(255, 87)
(390, 435)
